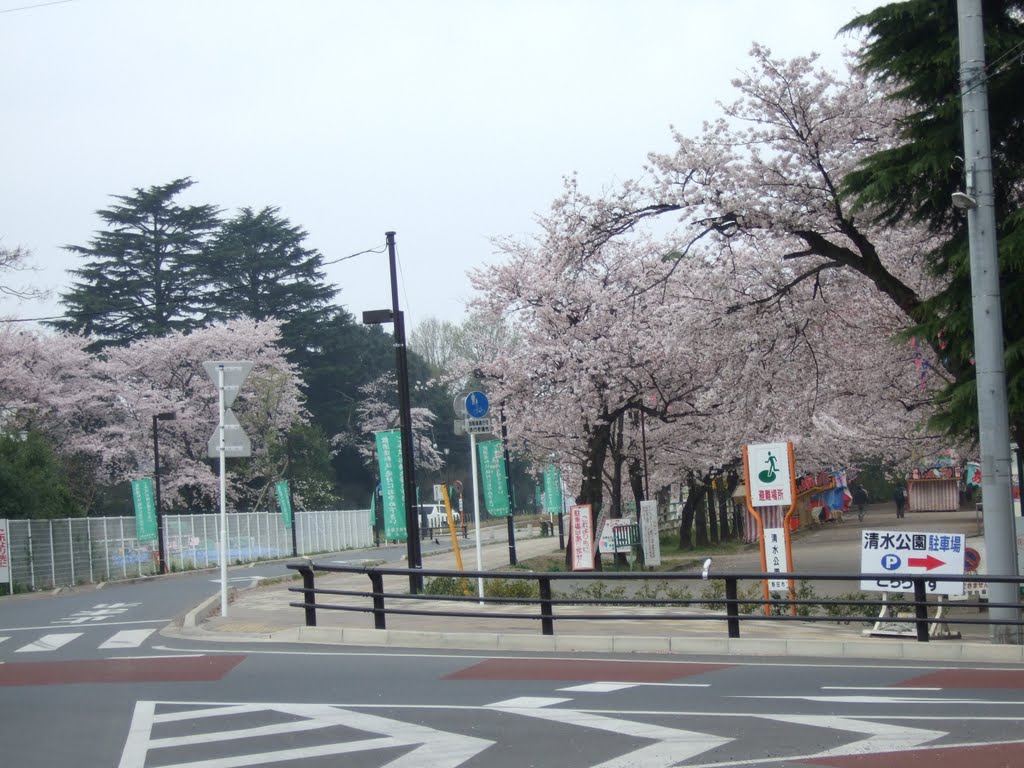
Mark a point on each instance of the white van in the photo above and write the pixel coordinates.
(436, 515)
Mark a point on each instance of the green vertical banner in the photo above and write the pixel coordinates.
(552, 490)
(492, 472)
(284, 502)
(389, 461)
(145, 509)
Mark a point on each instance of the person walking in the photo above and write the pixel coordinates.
(900, 497)
(861, 499)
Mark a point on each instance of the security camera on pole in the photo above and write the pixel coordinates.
(229, 439)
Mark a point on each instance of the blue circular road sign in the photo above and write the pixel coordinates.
(891, 562)
(477, 405)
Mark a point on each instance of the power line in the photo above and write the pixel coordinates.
(36, 5)
(159, 304)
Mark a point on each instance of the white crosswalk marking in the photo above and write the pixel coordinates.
(127, 638)
(49, 642)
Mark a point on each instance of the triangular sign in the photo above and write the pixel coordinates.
(235, 372)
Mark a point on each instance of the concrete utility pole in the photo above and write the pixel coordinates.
(993, 419)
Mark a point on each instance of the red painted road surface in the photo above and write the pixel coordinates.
(153, 670)
(961, 679)
(989, 756)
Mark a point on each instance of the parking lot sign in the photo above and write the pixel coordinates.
(899, 555)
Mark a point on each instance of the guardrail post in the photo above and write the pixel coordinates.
(547, 624)
(732, 609)
(377, 585)
(308, 594)
(921, 610)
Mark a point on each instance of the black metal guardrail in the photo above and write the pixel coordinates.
(736, 609)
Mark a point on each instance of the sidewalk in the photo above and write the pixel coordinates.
(263, 614)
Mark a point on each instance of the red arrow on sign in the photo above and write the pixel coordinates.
(925, 562)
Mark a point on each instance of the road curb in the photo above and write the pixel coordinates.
(194, 618)
(882, 650)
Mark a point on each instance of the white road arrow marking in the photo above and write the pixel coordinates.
(882, 737)
(672, 746)
(127, 638)
(432, 747)
(49, 642)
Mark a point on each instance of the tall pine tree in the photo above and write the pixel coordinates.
(145, 272)
(914, 46)
(259, 267)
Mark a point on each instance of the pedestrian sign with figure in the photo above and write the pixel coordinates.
(898, 556)
(770, 474)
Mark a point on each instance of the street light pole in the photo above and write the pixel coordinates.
(993, 419)
(161, 550)
(394, 315)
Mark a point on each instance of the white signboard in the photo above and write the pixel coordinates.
(582, 537)
(5, 555)
(776, 560)
(771, 476)
(649, 538)
(479, 426)
(904, 554)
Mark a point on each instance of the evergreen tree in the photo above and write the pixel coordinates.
(914, 46)
(33, 482)
(260, 268)
(145, 272)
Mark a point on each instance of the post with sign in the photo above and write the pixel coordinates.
(771, 482)
(475, 406)
(896, 561)
(6, 577)
(228, 439)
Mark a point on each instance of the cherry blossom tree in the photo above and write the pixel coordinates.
(97, 411)
(166, 374)
(766, 311)
(377, 412)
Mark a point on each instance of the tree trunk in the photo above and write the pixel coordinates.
(686, 523)
(591, 485)
(636, 482)
(712, 511)
(701, 514)
(723, 509)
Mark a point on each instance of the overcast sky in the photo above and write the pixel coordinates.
(450, 122)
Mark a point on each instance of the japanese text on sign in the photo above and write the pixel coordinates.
(582, 537)
(5, 559)
(776, 560)
(895, 558)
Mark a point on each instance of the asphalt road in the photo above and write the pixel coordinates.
(186, 704)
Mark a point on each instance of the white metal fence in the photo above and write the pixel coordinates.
(56, 553)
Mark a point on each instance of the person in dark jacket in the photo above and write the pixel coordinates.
(861, 499)
(900, 497)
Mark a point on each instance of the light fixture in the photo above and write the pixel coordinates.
(964, 201)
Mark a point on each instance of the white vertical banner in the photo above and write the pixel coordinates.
(5, 555)
(582, 537)
(775, 558)
(649, 538)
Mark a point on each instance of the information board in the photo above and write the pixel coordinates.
(581, 531)
(904, 554)
(775, 558)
